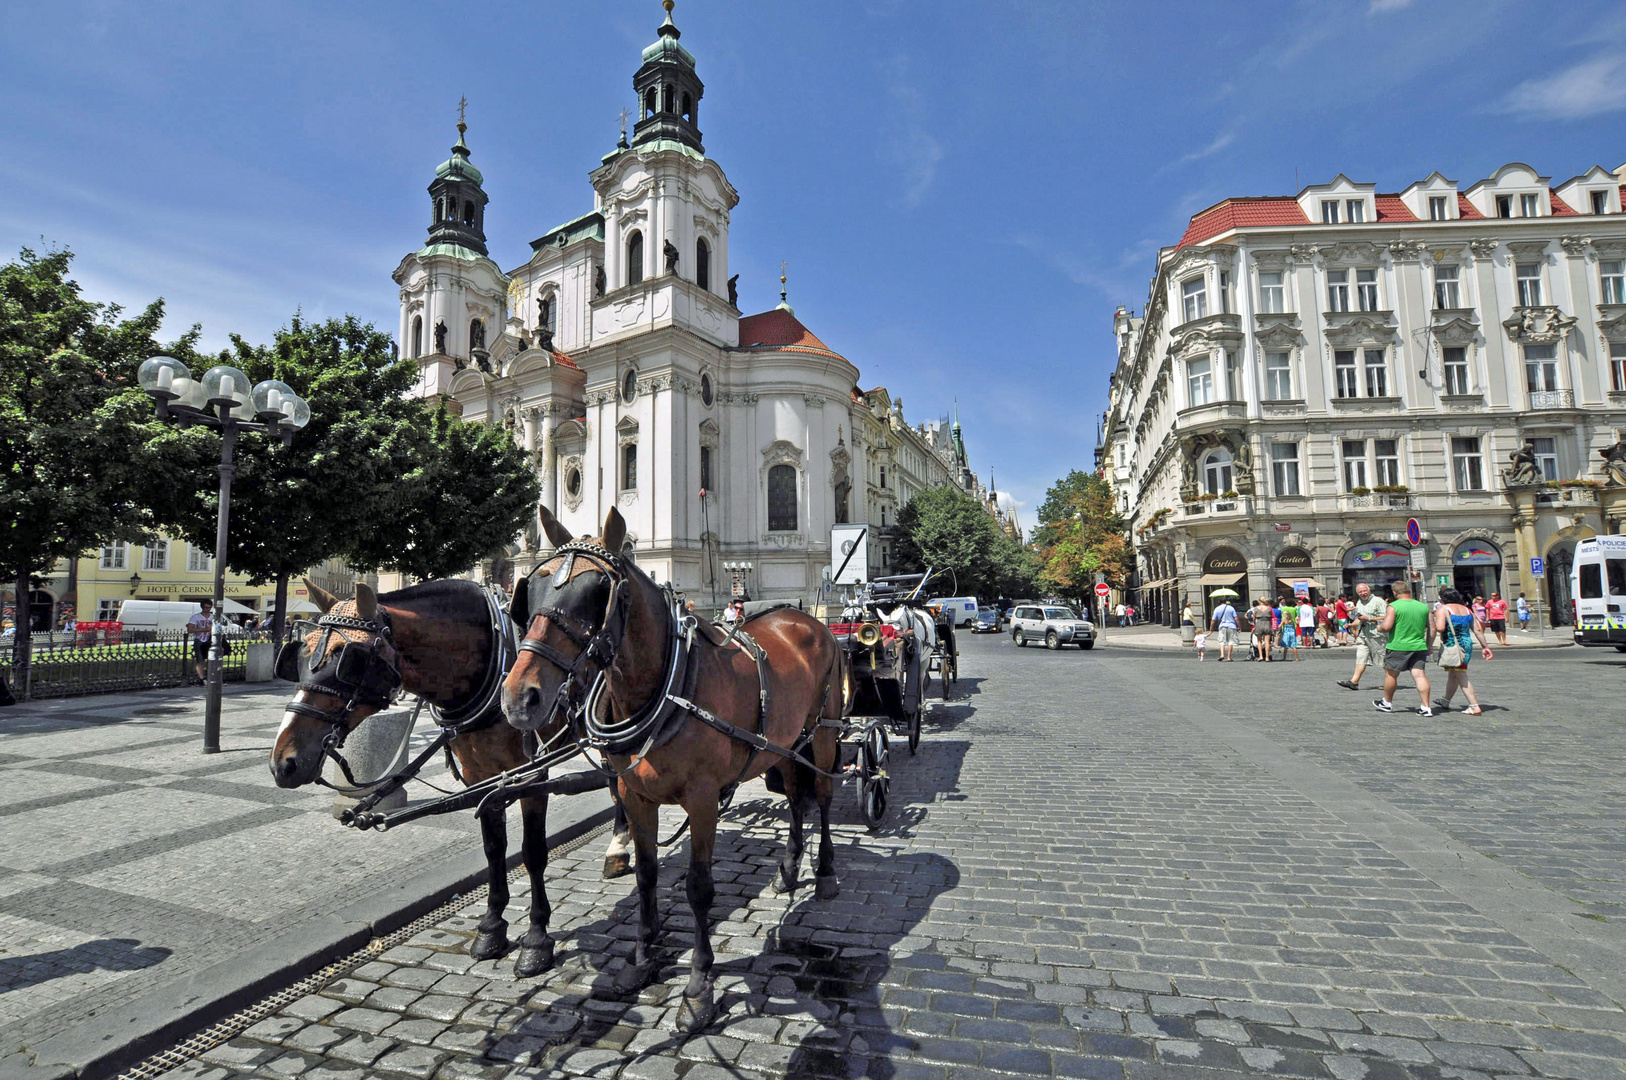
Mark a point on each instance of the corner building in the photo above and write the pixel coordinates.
(619, 358)
(1310, 372)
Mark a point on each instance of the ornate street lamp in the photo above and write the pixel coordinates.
(135, 583)
(222, 399)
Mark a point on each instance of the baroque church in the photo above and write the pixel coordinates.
(620, 360)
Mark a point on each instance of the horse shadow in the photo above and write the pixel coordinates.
(111, 954)
(806, 996)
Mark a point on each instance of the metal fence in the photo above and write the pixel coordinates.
(63, 665)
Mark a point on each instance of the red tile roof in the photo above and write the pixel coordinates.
(1241, 213)
(1560, 207)
(1391, 208)
(565, 361)
(779, 329)
(1465, 209)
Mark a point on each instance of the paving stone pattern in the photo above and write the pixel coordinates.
(1079, 879)
(131, 859)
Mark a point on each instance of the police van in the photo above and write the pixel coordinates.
(1598, 587)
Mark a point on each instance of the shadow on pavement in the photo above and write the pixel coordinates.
(110, 954)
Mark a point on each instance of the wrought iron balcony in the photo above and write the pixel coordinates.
(1552, 399)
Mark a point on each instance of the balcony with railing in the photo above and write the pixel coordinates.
(1552, 399)
(1377, 501)
(1221, 507)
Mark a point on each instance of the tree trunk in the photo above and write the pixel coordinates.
(279, 617)
(22, 639)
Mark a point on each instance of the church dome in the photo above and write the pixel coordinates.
(458, 165)
(666, 46)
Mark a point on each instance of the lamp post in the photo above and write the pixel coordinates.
(222, 399)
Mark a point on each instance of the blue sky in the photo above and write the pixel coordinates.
(964, 192)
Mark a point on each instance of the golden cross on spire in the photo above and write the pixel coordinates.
(462, 104)
(624, 115)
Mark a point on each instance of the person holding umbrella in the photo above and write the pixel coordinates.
(1224, 620)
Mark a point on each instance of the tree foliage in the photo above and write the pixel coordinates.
(946, 529)
(1081, 534)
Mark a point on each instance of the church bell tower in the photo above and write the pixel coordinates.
(669, 91)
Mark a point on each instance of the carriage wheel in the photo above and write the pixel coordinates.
(914, 732)
(873, 801)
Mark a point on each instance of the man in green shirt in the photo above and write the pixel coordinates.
(1410, 631)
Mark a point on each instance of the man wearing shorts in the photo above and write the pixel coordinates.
(1224, 619)
(200, 626)
(1524, 614)
(1410, 632)
(1369, 638)
(1496, 617)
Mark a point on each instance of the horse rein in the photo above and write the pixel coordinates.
(596, 647)
(375, 686)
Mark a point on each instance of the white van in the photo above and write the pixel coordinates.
(962, 609)
(1598, 587)
(162, 615)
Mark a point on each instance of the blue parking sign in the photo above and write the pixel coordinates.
(1538, 568)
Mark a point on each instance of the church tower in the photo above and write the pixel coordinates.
(453, 297)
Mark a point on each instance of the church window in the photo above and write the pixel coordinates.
(705, 468)
(782, 499)
(702, 264)
(650, 104)
(440, 210)
(468, 212)
(635, 258)
(629, 467)
(573, 483)
(707, 393)
(667, 101)
(688, 109)
(417, 335)
(629, 385)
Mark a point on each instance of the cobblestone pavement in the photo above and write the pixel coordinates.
(1098, 866)
(131, 859)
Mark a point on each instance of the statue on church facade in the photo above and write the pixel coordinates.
(1524, 470)
(600, 282)
(734, 291)
(477, 334)
(440, 336)
(670, 250)
(544, 323)
(1614, 464)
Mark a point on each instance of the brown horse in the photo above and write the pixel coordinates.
(439, 638)
(593, 613)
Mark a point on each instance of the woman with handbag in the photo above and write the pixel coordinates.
(1457, 626)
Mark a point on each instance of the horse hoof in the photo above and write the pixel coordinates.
(826, 887)
(783, 882)
(533, 960)
(489, 944)
(617, 866)
(695, 1014)
(631, 979)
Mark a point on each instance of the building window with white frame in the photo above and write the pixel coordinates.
(1436, 208)
(1386, 461)
(1529, 206)
(1354, 451)
(1546, 451)
(629, 467)
(1612, 276)
(1377, 373)
(1225, 293)
(1279, 376)
(1617, 366)
(1233, 377)
(107, 610)
(1540, 368)
(1284, 468)
(1456, 369)
(1200, 380)
(1600, 202)
(1529, 277)
(1194, 298)
(1217, 472)
(199, 561)
(1272, 301)
(1346, 376)
(1504, 206)
(1366, 288)
(1329, 211)
(155, 556)
(1466, 463)
(782, 499)
(1337, 290)
(1447, 293)
(113, 557)
(1356, 209)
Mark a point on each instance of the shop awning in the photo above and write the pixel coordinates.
(232, 607)
(302, 607)
(1292, 581)
(1219, 579)
(1158, 584)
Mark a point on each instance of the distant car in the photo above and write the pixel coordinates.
(986, 621)
(1053, 625)
(961, 610)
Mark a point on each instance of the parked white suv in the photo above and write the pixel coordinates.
(1055, 626)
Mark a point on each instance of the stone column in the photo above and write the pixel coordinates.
(549, 463)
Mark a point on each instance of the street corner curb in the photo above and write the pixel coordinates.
(122, 1036)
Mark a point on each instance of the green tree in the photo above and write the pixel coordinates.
(76, 470)
(1081, 534)
(946, 529)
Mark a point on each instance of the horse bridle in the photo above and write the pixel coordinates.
(359, 675)
(597, 647)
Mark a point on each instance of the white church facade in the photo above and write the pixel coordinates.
(618, 357)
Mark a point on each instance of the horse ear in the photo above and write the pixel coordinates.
(320, 596)
(556, 533)
(366, 602)
(615, 531)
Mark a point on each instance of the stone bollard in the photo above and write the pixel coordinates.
(259, 661)
(377, 748)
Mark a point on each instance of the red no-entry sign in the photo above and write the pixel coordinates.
(1103, 590)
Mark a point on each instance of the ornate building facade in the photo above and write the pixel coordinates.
(1310, 372)
(618, 356)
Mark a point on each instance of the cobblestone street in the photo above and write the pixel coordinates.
(1104, 864)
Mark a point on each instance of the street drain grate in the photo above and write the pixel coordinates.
(223, 1031)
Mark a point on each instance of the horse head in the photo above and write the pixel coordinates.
(348, 668)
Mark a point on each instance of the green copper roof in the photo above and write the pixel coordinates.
(667, 47)
(459, 165)
(457, 251)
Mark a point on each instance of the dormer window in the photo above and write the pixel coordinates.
(1329, 212)
(1194, 298)
(1356, 210)
(1504, 206)
(1529, 206)
(1529, 278)
(1600, 202)
(1437, 209)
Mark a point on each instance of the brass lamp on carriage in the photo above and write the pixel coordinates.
(222, 399)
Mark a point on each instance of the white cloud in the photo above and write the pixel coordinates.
(1586, 89)
(914, 150)
(1220, 142)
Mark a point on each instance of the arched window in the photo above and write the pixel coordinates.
(666, 100)
(1217, 472)
(688, 108)
(417, 335)
(440, 210)
(477, 334)
(782, 499)
(629, 385)
(702, 263)
(651, 103)
(468, 212)
(635, 258)
(629, 467)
